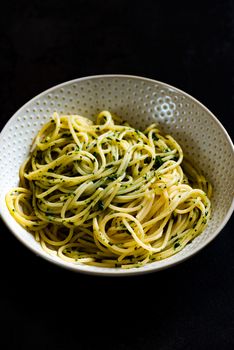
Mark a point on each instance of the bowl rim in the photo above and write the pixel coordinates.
(86, 269)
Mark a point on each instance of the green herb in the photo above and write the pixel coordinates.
(100, 205)
(155, 137)
(158, 162)
(113, 177)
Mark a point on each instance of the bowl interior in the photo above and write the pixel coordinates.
(141, 102)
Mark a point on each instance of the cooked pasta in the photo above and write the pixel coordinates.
(109, 195)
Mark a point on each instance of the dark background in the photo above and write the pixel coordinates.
(190, 46)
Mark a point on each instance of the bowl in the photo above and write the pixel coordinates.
(140, 101)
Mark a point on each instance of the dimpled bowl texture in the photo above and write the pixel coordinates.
(140, 101)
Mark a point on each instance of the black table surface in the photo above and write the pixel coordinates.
(189, 306)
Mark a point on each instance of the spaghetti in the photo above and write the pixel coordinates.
(109, 195)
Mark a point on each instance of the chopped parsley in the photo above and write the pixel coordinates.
(158, 162)
(113, 177)
(100, 205)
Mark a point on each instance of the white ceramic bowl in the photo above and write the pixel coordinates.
(140, 101)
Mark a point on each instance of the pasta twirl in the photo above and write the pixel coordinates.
(109, 195)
